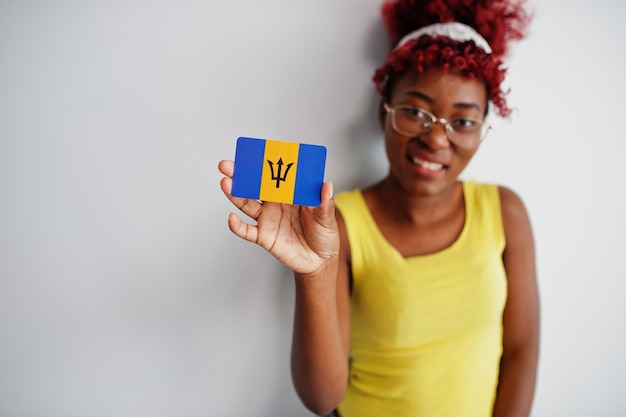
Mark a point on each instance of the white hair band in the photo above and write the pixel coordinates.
(453, 30)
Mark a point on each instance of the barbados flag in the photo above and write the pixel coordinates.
(283, 172)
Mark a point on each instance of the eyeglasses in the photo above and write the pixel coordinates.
(413, 121)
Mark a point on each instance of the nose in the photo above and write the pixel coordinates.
(436, 137)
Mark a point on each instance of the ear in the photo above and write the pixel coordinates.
(382, 113)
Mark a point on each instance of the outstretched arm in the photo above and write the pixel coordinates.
(307, 240)
(518, 366)
(320, 350)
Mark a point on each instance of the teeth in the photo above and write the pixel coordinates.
(431, 166)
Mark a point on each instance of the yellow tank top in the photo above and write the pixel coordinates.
(426, 331)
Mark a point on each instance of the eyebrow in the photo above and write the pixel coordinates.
(430, 100)
(421, 95)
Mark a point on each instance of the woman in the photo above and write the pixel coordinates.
(416, 296)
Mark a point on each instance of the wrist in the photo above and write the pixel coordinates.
(326, 273)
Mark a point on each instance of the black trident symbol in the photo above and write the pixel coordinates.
(279, 176)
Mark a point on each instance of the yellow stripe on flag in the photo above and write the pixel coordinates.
(278, 181)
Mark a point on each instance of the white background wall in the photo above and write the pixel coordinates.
(122, 292)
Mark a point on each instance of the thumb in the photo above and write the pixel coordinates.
(326, 210)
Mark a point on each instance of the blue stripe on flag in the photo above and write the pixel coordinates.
(248, 167)
(310, 175)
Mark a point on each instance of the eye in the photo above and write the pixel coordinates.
(415, 114)
(465, 125)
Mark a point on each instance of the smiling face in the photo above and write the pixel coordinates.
(429, 164)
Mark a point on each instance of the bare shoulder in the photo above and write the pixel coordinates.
(514, 214)
(519, 251)
(511, 202)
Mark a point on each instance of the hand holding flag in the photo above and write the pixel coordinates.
(303, 238)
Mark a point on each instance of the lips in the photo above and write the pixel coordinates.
(427, 165)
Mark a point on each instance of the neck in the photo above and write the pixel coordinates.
(412, 207)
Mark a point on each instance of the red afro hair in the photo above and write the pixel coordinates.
(498, 21)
